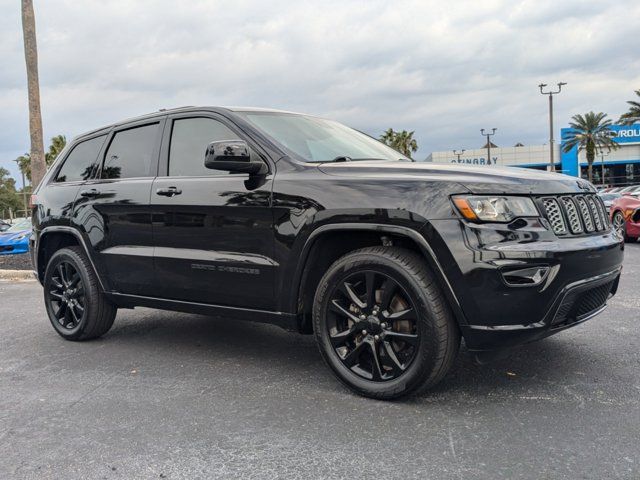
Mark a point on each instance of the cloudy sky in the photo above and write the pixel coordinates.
(442, 68)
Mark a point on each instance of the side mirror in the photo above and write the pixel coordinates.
(232, 156)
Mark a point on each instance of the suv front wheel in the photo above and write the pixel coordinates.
(77, 309)
(382, 323)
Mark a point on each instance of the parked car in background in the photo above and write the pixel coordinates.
(627, 189)
(625, 216)
(16, 238)
(608, 198)
(4, 226)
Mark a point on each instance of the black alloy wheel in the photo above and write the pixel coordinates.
(382, 323)
(77, 307)
(66, 295)
(372, 325)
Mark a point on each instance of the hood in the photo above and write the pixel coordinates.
(8, 237)
(480, 180)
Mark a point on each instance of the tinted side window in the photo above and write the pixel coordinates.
(81, 162)
(189, 140)
(130, 153)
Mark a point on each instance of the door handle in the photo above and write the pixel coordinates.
(92, 192)
(169, 191)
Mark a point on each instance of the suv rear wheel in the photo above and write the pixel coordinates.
(77, 309)
(382, 323)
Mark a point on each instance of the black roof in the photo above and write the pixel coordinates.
(185, 109)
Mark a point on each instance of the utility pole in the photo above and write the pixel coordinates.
(488, 135)
(551, 93)
(458, 154)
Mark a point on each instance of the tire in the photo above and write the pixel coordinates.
(415, 309)
(76, 307)
(618, 219)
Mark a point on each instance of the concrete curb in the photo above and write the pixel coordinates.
(19, 275)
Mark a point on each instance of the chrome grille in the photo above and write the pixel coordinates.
(594, 212)
(603, 212)
(554, 215)
(586, 214)
(575, 225)
(576, 214)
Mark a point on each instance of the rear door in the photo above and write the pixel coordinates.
(114, 211)
(213, 235)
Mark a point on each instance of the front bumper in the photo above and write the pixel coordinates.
(582, 272)
(576, 303)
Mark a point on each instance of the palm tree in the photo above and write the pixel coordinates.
(633, 115)
(401, 141)
(35, 118)
(590, 132)
(388, 137)
(57, 144)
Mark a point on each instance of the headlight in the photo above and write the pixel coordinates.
(22, 237)
(495, 208)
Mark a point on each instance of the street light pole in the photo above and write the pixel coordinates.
(458, 154)
(550, 93)
(24, 190)
(488, 135)
(602, 155)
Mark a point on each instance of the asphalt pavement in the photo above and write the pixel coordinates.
(169, 395)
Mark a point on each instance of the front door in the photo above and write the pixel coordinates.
(114, 208)
(212, 230)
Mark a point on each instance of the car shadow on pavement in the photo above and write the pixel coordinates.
(198, 340)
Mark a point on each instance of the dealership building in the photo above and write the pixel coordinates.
(621, 166)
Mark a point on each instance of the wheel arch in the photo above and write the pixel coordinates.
(616, 210)
(52, 239)
(312, 264)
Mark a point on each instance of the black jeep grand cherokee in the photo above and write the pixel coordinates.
(302, 222)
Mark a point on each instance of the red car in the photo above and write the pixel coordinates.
(625, 216)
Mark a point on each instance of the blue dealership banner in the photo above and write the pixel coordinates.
(627, 134)
(624, 134)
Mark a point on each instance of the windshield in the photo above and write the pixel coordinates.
(24, 224)
(313, 139)
(609, 196)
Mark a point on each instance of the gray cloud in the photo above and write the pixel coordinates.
(443, 69)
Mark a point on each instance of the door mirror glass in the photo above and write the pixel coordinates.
(232, 156)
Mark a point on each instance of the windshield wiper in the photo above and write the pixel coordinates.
(339, 158)
(344, 158)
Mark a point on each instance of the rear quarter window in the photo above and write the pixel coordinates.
(81, 161)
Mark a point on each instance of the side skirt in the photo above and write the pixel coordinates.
(286, 321)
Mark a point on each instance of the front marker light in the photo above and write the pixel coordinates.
(494, 208)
